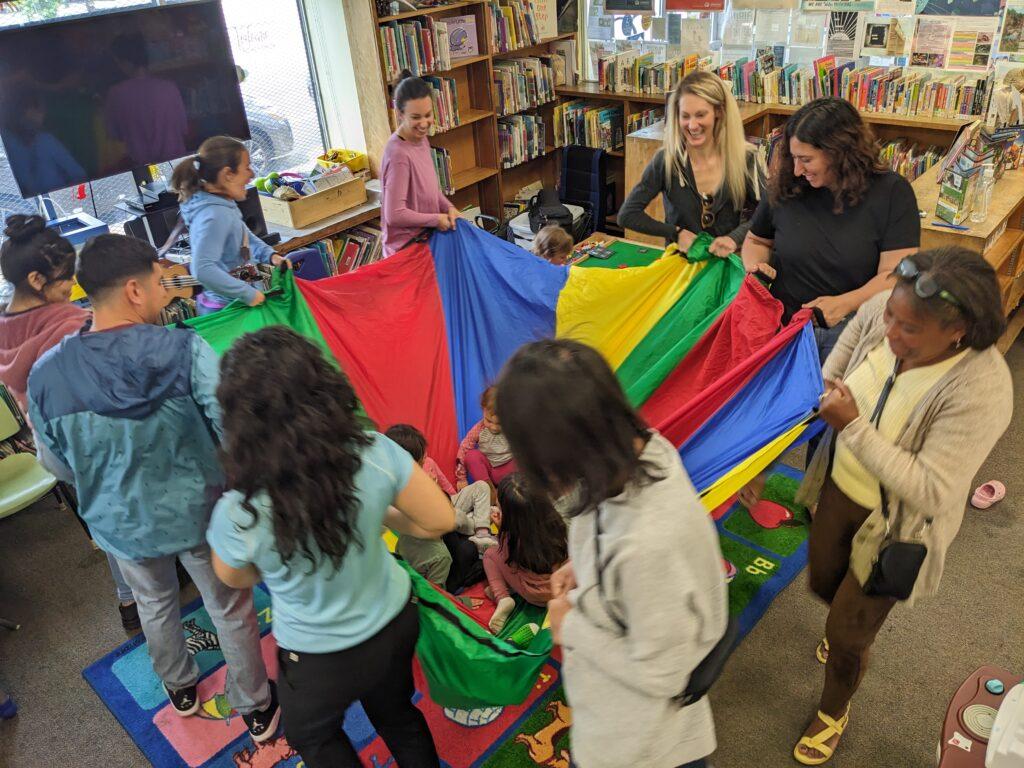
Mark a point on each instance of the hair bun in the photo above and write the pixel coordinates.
(21, 227)
(405, 74)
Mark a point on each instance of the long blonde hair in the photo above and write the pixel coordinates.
(730, 142)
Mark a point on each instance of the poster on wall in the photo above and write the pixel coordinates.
(738, 30)
(1012, 39)
(843, 34)
(838, 5)
(809, 29)
(972, 43)
(959, 7)
(694, 5)
(896, 7)
(771, 27)
(766, 5)
(695, 36)
(931, 43)
(886, 36)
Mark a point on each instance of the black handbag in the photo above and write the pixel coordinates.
(895, 568)
(710, 668)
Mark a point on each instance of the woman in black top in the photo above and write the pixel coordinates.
(710, 178)
(835, 221)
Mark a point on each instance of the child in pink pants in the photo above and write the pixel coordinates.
(484, 453)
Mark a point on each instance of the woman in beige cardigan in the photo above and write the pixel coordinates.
(926, 351)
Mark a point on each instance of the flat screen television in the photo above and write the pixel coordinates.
(108, 93)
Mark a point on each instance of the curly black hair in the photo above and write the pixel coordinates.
(31, 246)
(291, 431)
(835, 127)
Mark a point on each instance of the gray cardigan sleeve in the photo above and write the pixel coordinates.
(632, 214)
(756, 181)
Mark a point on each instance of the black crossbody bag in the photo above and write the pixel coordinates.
(710, 668)
(895, 568)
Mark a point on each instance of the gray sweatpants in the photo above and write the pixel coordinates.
(472, 508)
(154, 583)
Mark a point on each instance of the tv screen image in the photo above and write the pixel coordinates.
(91, 97)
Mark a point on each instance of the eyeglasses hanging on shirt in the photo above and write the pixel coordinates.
(707, 215)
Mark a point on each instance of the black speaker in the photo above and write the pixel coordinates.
(153, 227)
(252, 213)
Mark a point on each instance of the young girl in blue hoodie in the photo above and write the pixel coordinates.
(209, 184)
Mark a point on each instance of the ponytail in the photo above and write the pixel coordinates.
(30, 247)
(215, 154)
(409, 88)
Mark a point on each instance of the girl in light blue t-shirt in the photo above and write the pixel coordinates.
(310, 494)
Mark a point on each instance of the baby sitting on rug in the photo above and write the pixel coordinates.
(484, 453)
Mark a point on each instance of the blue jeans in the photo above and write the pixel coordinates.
(826, 338)
(155, 585)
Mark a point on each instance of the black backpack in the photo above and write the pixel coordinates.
(545, 208)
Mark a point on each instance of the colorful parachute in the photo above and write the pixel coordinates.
(695, 343)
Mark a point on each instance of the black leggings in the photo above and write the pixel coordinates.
(316, 689)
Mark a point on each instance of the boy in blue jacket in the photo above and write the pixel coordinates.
(127, 412)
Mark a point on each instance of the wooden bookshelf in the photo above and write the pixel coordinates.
(477, 175)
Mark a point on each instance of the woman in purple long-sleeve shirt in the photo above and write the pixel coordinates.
(411, 197)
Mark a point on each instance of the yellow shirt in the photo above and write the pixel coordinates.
(866, 384)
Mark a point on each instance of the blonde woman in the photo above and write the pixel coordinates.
(709, 177)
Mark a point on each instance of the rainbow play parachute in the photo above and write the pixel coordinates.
(697, 346)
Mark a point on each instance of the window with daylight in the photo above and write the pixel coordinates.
(269, 46)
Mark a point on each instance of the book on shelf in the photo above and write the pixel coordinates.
(520, 138)
(636, 72)
(566, 50)
(443, 166)
(514, 24)
(522, 83)
(907, 159)
(444, 98)
(462, 40)
(355, 248)
(419, 45)
(587, 124)
(639, 120)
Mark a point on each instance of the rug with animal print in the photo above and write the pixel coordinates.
(530, 735)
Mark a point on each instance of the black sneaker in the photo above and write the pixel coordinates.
(129, 617)
(263, 723)
(185, 700)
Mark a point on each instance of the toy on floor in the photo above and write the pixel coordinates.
(970, 719)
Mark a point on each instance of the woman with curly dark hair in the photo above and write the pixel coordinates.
(310, 492)
(835, 222)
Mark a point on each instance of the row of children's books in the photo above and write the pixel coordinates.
(351, 249)
(639, 120)
(590, 125)
(523, 83)
(514, 25)
(420, 45)
(635, 72)
(444, 98)
(907, 159)
(443, 167)
(891, 90)
(521, 138)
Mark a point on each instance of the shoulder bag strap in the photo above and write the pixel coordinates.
(599, 566)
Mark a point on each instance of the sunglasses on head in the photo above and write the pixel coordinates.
(925, 286)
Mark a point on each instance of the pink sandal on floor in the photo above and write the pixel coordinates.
(988, 494)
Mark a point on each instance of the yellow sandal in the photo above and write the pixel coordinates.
(821, 652)
(818, 741)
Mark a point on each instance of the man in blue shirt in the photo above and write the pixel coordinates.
(128, 412)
